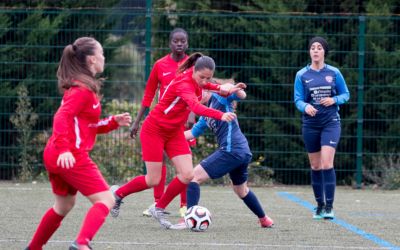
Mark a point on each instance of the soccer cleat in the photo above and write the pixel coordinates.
(319, 212)
(182, 211)
(266, 222)
(147, 211)
(180, 226)
(74, 246)
(160, 215)
(328, 214)
(118, 201)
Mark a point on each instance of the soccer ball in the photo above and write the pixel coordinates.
(198, 218)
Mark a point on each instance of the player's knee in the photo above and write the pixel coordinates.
(187, 177)
(241, 190)
(152, 181)
(64, 208)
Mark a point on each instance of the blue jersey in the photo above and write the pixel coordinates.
(311, 86)
(229, 136)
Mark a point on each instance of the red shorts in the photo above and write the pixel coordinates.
(155, 140)
(84, 176)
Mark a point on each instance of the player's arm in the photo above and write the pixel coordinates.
(148, 96)
(299, 94)
(135, 126)
(341, 88)
(224, 89)
(187, 94)
(240, 94)
(113, 122)
(299, 98)
(197, 129)
(343, 92)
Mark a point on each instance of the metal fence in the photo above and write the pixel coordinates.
(263, 50)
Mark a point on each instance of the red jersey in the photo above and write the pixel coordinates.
(77, 121)
(180, 97)
(163, 72)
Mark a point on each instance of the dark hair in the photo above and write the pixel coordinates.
(178, 30)
(320, 40)
(73, 65)
(199, 61)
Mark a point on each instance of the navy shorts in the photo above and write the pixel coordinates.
(221, 163)
(315, 137)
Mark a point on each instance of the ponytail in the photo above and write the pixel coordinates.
(189, 62)
(73, 65)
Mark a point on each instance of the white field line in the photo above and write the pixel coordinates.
(160, 244)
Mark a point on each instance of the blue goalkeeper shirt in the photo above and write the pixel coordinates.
(311, 86)
(229, 136)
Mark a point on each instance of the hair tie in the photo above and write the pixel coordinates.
(74, 47)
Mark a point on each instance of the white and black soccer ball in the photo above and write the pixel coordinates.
(198, 218)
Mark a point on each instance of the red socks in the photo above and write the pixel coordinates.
(183, 197)
(48, 225)
(135, 185)
(173, 189)
(159, 189)
(94, 219)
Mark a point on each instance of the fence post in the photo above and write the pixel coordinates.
(148, 40)
(147, 49)
(360, 99)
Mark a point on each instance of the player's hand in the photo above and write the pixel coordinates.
(228, 117)
(239, 86)
(310, 110)
(134, 129)
(228, 88)
(327, 101)
(124, 119)
(66, 160)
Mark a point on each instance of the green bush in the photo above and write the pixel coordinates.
(386, 173)
(24, 119)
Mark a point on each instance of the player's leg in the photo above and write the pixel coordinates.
(158, 190)
(312, 142)
(183, 203)
(193, 189)
(88, 180)
(239, 180)
(179, 152)
(95, 217)
(51, 220)
(152, 154)
(329, 141)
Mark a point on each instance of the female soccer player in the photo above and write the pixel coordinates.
(66, 156)
(319, 89)
(163, 130)
(233, 157)
(163, 72)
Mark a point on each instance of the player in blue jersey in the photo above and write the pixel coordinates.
(319, 89)
(232, 157)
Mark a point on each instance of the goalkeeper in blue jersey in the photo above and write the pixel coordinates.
(319, 89)
(232, 157)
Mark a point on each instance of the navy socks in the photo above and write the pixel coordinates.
(193, 194)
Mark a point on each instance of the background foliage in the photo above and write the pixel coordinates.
(262, 43)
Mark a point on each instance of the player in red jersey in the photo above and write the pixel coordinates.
(163, 72)
(66, 156)
(163, 130)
